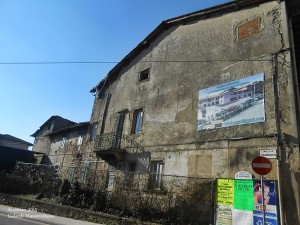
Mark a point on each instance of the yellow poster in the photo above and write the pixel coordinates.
(225, 192)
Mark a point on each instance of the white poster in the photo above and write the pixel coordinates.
(242, 217)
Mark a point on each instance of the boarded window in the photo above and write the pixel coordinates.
(200, 165)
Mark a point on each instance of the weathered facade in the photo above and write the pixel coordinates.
(146, 108)
(67, 143)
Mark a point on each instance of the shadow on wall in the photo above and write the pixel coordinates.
(288, 194)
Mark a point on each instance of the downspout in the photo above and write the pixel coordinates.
(279, 139)
(295, 73)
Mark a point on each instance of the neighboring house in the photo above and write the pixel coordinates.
(14, 150)
(7, 140)
(10, 156)
(68, 152)
(147, 118)
(66, 143)
(42, 140)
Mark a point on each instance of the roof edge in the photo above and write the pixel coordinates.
(164, 25)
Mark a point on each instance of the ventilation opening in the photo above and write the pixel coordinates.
(144, 75)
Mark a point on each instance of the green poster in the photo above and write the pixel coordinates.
(225, 192)
(243, 195)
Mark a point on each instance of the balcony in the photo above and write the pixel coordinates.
(112, 145)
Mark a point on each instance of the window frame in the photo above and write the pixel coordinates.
(156, 174)
(144, 72)
(137, 122)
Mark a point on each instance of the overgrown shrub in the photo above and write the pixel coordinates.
(99, 201)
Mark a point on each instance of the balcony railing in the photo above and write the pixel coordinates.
(113, 141)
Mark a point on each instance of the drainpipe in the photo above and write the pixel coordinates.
(278, 127)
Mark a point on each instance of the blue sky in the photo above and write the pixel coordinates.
(68, 31)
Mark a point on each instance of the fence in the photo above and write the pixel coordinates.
(162, 199)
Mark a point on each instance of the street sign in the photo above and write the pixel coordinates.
(269, 153)
(261, 165)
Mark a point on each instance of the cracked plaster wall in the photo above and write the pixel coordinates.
(170, 97)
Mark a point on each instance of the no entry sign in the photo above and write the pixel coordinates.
(261, 165)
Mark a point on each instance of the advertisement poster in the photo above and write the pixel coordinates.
(230, 104)
(243, 202)
(225, 192)
(270, 202)
(225, 195)
(243, 195)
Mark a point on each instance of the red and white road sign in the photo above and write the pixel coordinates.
(261, 165)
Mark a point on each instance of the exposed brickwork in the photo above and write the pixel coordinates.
(248, 29)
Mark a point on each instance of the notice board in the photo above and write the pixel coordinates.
(239, 202)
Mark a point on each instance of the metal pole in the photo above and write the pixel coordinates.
(263, 199)
(279, 193)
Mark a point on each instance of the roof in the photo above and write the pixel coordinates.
(48, 122)
(70, 128)
(12, 138)
(165, 25)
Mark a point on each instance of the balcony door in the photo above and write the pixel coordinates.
(119, 129)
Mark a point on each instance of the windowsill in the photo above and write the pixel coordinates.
(143, 81)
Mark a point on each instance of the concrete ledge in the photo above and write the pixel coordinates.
(67, 211)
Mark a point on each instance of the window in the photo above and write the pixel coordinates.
(144, 75)
(80, 138)
(63, 141)
(137, 121)
(129, 177)
(93, 132)
(84, 172)
(71, 174)
(156, 175)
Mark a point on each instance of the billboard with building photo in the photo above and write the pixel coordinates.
(235, 103)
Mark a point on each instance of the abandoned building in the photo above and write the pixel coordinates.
(151, 111)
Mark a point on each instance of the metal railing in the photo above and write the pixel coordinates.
(113, 141)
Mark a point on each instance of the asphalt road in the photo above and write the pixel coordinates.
(15, 216)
